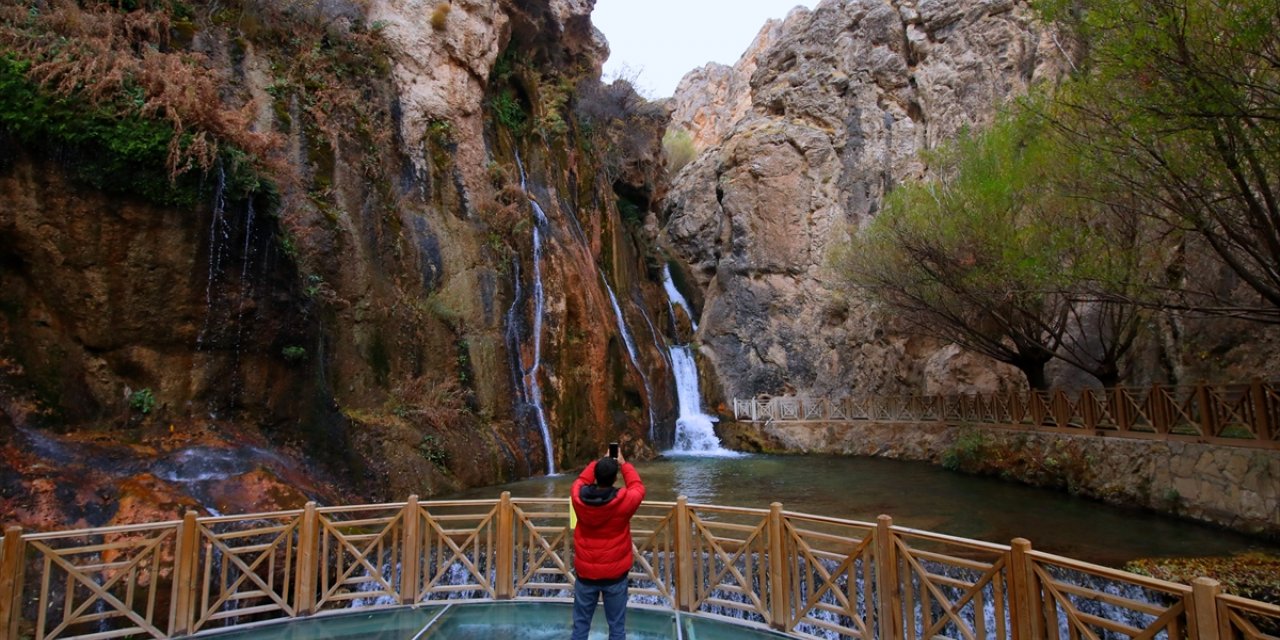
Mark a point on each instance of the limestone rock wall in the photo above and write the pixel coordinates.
(842, 98)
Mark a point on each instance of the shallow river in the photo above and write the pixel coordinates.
(920, 496)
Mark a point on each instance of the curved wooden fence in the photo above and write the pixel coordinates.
(1240, 415)
(807, 575)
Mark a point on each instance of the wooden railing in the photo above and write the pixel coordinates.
(806, 575)
(1241, 415)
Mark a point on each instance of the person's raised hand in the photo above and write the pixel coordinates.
(621, 460)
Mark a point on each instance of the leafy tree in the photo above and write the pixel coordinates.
(1179, 100)
(990, 255)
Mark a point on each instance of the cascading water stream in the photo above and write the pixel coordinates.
(653, 331)
(675, 298)
(219, 237)
(695, 434)
(631, 351)
(533, 389)
(245, 292)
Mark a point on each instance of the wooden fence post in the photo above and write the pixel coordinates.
(1120, 409)
(1089, 409)
(1261, 416)
(12, 567)
(1025, 592)
(1208, 415)
(412, 550)
(1204, 609)
(888, 590)
(308, 561)
(779, 591)
(186, 557)
(1156, 400)
(505, 589)
(685, 588)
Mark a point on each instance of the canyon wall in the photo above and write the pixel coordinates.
(425, 284)
(797, 145)
(841, 100)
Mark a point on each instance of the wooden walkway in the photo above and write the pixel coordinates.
(805, 575)
(1238, 415)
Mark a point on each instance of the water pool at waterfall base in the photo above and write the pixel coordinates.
(507, 620)
(921, 496)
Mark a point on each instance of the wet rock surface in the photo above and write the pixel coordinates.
(365, 325)
(82, 480)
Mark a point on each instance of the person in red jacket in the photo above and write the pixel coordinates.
(602, 543)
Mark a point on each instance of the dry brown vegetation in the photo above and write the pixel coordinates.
(440, 17)
(116, 60)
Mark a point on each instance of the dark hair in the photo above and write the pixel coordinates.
(606, 472)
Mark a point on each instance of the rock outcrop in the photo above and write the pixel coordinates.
(375, 312)
(842, 99)
(711, 99)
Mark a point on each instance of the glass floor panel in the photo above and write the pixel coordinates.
(513, 620)
(393, 624)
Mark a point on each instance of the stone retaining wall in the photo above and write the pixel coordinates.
(1231, 486)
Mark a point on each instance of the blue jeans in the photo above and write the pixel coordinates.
(585, 597)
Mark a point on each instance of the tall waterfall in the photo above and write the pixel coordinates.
(631, 351)
(529, 376)
(694, 432)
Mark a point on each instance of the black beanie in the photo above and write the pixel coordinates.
(606, 472)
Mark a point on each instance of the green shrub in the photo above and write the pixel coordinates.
(967, 451)
(508, 112)
(294, 353)
(142, 401)
(431, 449)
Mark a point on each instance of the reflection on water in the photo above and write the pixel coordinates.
(920, 496)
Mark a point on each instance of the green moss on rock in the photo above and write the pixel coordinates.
(113, 148)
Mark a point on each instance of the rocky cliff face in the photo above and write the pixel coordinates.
(393, 316)
(842, 99)
(799, 142)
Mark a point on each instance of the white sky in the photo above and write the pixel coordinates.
(664, 39)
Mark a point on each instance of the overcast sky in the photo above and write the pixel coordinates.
(664, 39)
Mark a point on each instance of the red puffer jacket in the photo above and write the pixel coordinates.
(602, 540)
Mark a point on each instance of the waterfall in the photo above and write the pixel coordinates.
(694, 432)
(245, 292)
(674, 297)
(529, 377)
(631, 351)
(219, 236)
(653, 331)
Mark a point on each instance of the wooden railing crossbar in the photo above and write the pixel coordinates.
(797, 573)
(1241, 415)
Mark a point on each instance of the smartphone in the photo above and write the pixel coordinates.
(613, 450)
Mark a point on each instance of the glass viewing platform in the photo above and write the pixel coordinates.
(506, 620)
(502, 569)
